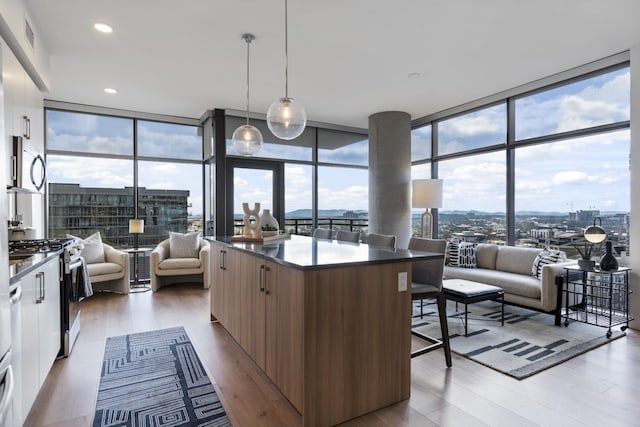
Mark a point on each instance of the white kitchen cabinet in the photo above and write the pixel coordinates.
(24, 117)
(40, 320)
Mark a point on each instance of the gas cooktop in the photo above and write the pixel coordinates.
(22, 247)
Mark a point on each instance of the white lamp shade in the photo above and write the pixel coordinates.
(595, 234)
(426, 193)
(136, 226)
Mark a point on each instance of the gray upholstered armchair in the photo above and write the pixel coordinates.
(177, 266)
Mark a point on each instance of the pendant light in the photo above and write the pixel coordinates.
(247, 139)
(286, 119)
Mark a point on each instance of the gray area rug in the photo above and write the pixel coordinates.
(528, 343)
(156, 379)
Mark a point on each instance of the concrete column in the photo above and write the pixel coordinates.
(390, 175)
(634, 215)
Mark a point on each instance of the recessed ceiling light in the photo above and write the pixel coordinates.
(414, 75)
(110, 90)
(102, 27)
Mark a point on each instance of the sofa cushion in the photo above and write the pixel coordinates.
(486, 255)
(514, 259)
(101, 268)
(512, 283)
(92, 250)
(184, 245)
(179, 264)
(546, 256)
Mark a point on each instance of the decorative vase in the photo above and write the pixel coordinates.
(586, 264)
(608, 262)
(266, 219)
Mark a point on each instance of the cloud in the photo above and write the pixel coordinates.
(570, 177)
(90, 172)
(163, 168)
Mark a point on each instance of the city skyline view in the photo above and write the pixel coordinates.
(588, 172)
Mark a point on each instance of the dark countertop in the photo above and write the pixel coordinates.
(308, 253)
(28, 264)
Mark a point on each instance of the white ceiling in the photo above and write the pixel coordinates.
(347, 58)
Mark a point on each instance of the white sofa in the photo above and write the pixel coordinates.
(509, 267)
(166, 269)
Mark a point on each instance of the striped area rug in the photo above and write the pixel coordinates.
(156, 379)
(528, 343)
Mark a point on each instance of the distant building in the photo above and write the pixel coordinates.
(81, 211)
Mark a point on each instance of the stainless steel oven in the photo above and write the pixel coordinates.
(70, 297)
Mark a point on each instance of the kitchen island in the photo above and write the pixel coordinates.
(328, 322)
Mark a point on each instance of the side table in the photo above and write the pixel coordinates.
(596, 297)
(136, 285)
(469, 292)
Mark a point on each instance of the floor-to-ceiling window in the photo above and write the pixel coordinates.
(93, 162)
(537, 167)
(325, 177)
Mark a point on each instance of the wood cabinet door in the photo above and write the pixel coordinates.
(247, 278)
(216, 291)
(284, 310)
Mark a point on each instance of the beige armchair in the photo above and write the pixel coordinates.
(166, 270)
(112, 274)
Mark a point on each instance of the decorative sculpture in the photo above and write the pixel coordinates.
(251, 228)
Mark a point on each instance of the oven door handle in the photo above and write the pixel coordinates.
(75, 264)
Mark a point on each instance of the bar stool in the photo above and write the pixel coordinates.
(426, 282)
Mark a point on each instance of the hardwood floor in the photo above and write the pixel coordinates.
(598, 388)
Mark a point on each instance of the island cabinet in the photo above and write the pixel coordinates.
(328, 323)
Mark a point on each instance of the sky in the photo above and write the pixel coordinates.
(582, 173)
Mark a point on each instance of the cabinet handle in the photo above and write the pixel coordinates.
(263, 278)
(266, 271)
(27, 127)
(14, 170)
(40, 284)
(222, 267)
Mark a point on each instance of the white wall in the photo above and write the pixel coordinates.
(634, 227)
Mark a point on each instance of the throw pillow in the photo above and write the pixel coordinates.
(546, 256)
(451, 257)
(461, 254)
(184, 245)
(467, 255)
(92, 250)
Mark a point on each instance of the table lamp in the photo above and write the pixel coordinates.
(136, 227)
(426, 194)
(595, 233)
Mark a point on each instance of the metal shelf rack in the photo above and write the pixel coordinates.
(596, 297)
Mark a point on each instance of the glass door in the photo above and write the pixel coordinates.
(253, 181)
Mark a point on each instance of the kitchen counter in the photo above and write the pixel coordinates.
(329, 323)
(20, 265)
(306, 253)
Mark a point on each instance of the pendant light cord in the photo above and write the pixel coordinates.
(286, 51)
(248, 40)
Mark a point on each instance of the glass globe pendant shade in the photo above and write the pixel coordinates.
(247, 140)
(286, 119)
